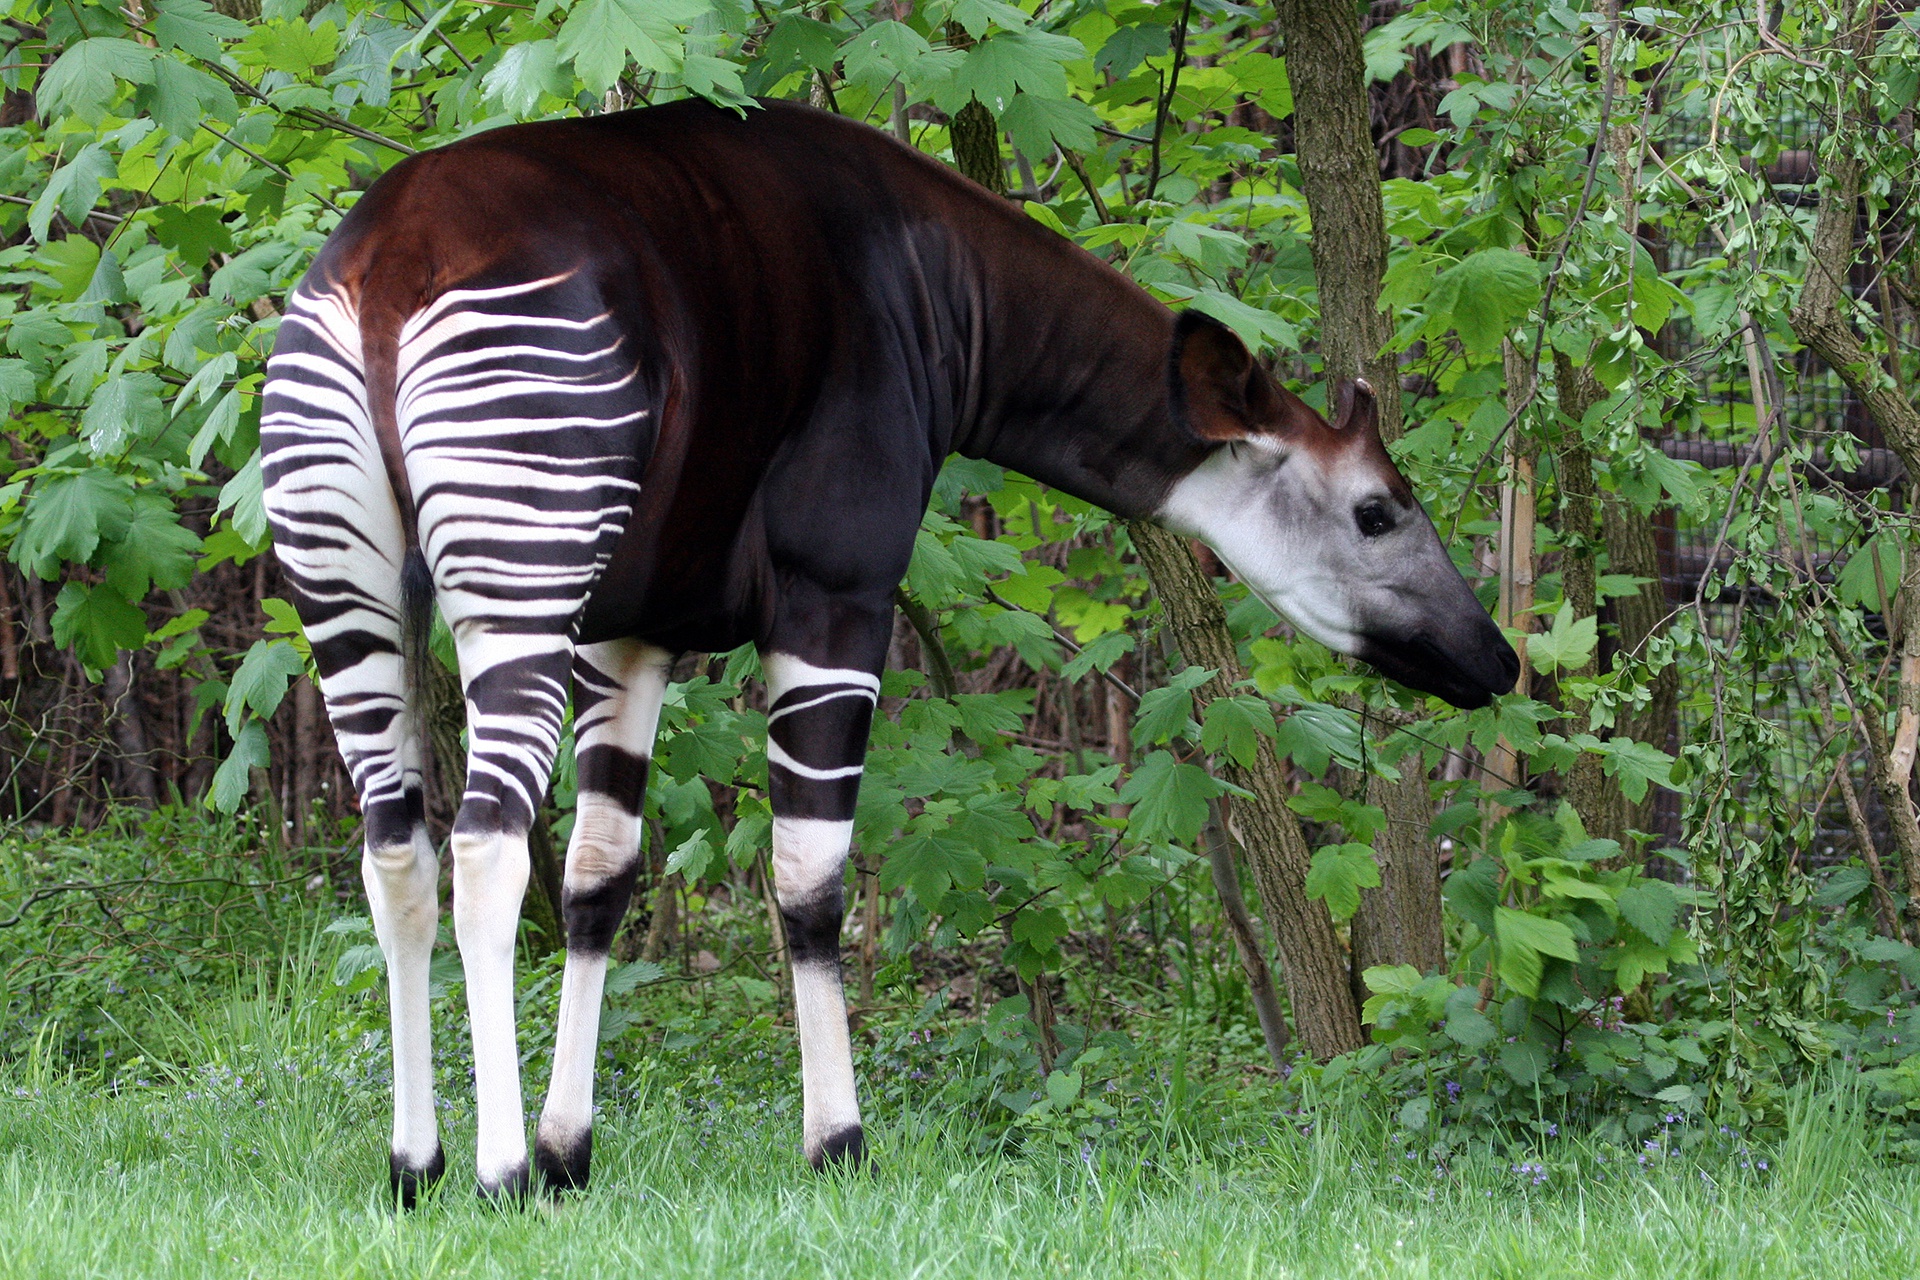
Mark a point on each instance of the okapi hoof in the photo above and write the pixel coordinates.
(842, 1149)
(506, 1189)
(563, 1162)
(410, 1180)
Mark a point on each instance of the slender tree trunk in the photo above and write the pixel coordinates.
(974, 132)
(1246, 941)
(1504, 766)
(1399, 922)
(1593, 795)
(1311, 958)
(1340, 174)
(127, 720)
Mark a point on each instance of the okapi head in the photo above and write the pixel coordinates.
(1315, 518)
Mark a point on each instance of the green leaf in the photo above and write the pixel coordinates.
(290, 45)
(691, 858)
(1169, 799)
(1100, 655)
(244, 496)
(232, 779)
(1466, 1026)
(1568, 644)
(182, 96)
(1525, 940)
(1007, 61)
(1236, 725)
(1634, 765)
(124, 408)
(632, 975)
(523, 74)
(1483, 296)
(1162, 714)
(1875, 566)
(600, 35)
(1036, 123)
(1842, 887)
(72, 191)
(930, 862)
(1338, 874)
(68, 517)
(1131, 45)
(194, 25)
(1652, 907)
(155, 551)
(96, 623)
(82, 81)
(260, 684)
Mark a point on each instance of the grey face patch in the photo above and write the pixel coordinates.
(1318, 536)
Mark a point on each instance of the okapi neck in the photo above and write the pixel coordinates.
(1070, 378)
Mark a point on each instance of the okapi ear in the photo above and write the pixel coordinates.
(1218, 392)
(1358, 407)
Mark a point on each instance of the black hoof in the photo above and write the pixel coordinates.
(508, 1190)
(563, 1166)
(408, 1181)
(842, 1149)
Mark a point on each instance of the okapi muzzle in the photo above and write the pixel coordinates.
(1315, 518)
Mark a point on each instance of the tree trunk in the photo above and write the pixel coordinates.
(1310, 953)
(1593, 795)
(1340, 175)
(1399, 922)
(1246, 941)
(128, 722)
(974, 132)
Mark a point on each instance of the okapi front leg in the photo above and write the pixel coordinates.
(817, 722)
(617, 690)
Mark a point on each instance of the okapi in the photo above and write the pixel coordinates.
(675, 380)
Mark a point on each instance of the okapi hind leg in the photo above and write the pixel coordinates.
(340, 539)
(817, 723)
(516, 696)
(617, 690)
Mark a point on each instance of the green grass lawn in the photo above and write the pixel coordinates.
(279, 1175)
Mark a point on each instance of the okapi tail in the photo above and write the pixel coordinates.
(380, 352)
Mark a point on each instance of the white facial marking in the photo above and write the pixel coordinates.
(1246, 502)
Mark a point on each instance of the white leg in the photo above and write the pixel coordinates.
(809, 857)
(403, 890)
(489, 879)
(618, 688)
(817, 725)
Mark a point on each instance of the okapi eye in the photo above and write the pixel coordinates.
(1373, 519)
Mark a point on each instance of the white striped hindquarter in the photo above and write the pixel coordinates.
(522, 424)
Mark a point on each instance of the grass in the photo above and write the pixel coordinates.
(247, 1138)
(260, 1168)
